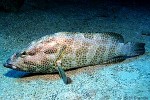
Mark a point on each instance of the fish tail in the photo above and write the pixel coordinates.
(132, 49)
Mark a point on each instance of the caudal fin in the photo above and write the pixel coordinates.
(132, 49)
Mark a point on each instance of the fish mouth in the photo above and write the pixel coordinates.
(9, 62)
(7, 65)
(11, 66)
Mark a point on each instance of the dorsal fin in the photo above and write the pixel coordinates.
(66, 33)
(114, 36)
(108, 35)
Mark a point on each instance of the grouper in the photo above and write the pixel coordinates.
(68, 50)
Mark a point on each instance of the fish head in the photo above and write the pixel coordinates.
(39, 57)
(39, 62)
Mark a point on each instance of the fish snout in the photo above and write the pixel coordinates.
(8, 63)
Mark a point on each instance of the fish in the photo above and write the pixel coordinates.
(69, 50)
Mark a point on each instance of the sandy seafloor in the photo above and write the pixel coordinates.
(128, 80)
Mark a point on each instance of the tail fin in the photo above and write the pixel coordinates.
(132, 49)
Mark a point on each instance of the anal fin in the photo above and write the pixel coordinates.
(115, 59)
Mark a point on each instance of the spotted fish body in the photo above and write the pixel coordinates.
(74, 50)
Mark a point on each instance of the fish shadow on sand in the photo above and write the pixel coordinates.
(27, 77)
(20, 74)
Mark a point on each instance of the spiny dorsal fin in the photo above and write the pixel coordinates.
(66, 33)
(115, 36)
(107, 35)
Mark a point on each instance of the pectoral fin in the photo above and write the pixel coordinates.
(62, 74)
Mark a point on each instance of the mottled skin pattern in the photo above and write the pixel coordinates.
(82, 49)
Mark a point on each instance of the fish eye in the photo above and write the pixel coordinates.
(24, 53)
